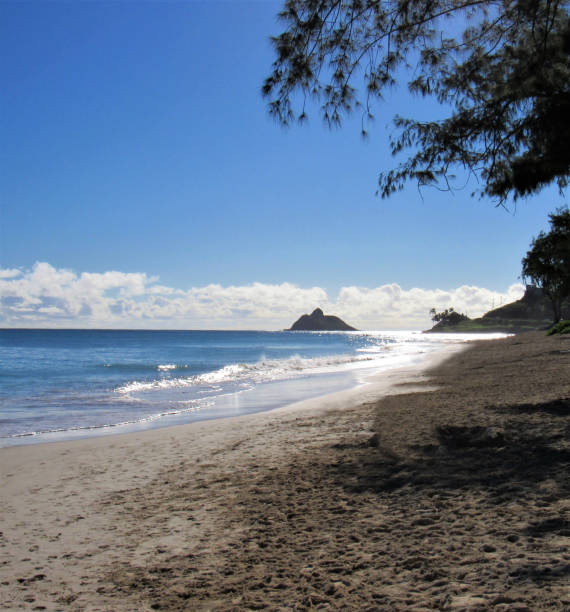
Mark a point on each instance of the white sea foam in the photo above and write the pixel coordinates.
(261, 371)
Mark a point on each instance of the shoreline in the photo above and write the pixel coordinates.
(374, 387)
(267, 396)
(322, 505)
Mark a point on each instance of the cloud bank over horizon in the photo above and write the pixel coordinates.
(45, 296)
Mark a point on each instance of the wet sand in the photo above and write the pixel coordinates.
(451, 492)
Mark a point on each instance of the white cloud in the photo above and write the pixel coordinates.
(48, 297)
(9, 273)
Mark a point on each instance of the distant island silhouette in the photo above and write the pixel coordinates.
(318, 321)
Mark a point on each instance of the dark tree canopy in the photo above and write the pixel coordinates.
(547, 263)
(449, 316)
(505, 80)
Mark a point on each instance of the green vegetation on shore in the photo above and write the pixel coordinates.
(562, 327)
(547, 263)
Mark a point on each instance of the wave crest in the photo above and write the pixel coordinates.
(262, 371)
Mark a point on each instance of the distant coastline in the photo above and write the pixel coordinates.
(533, 312)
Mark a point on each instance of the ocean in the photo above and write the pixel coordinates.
(67, 384)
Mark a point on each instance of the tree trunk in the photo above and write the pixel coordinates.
(556, 308)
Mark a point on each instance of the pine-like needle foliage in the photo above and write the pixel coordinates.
(505, 81)
(547, 263)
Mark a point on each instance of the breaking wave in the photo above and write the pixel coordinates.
(262, 371)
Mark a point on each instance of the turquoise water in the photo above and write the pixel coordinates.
(62, 384)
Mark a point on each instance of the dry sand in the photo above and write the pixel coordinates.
(455, 498)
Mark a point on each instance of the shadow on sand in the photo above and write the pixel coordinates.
(524, 460)
(504, 461)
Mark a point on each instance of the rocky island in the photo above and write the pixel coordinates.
(318, 321)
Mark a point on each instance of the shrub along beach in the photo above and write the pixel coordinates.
(438, 488)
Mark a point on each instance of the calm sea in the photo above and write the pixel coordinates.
(64, 384)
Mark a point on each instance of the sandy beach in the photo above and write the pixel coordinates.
(444, 486)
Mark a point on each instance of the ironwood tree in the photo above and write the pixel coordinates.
(547, 263)
(504, 82)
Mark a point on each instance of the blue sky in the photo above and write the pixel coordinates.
(135, 143)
